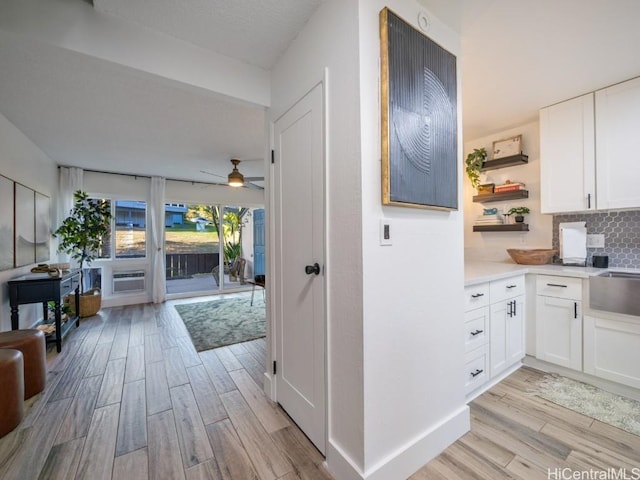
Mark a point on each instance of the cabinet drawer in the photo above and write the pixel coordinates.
(69, 285)
(476, 296)
(559, 287)
(507, 288)
(476, 369)
(475, 327)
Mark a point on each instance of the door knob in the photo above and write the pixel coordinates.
(312, 269)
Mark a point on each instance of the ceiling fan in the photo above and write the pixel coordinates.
(237, 179)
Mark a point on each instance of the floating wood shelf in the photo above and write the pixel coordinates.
(512, 227)
(498, 197)
(519, 159)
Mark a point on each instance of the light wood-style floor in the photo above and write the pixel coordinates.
(515, 434)
(129, 398)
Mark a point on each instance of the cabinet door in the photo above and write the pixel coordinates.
(567, 156)
(515, 330)
(559, 331)
(611, 349)
(618, 143)
(498, 338)
(506, 334)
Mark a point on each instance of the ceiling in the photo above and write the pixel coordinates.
(517, 56)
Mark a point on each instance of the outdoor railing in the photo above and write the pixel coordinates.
(181, 265)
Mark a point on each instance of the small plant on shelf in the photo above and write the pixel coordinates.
(519, 213)
(474, 162)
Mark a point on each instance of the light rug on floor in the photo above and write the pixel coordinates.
(216, 323)
(591, 401)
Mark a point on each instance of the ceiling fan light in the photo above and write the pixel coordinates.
(235, 178)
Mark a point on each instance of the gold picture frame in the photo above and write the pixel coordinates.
(418, 118)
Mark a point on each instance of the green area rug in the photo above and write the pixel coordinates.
(222, 322)
(591, 401)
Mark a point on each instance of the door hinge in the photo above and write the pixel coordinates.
(273, 156)
(274, 367)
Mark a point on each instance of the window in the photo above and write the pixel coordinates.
(131, 223)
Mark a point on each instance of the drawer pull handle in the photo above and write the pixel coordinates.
(477, 295)
(556, 285)
(477, 372)
(477, 332)
(511, 286)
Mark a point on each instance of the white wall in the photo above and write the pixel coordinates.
(395, 354)
(413, 318)
(23, 162)
(492, 246)
(330, 40)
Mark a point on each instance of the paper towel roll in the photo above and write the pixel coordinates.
(573, 243)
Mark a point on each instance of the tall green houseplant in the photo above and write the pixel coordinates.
(82, 232)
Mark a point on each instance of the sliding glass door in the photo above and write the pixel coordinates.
(209, 248)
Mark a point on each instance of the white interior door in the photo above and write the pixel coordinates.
(300, 249)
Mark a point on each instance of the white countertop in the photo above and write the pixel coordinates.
(478, 272)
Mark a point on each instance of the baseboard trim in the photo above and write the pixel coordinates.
(340, 465)
(407, 459)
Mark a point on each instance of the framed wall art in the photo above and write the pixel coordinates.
(43, 227)
(419, 118)
(25, 226)
(6, 223)
(507, 147)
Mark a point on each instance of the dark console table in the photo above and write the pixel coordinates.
(40, 287)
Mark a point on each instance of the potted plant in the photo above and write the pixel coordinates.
(81, 235)
(519, 213)
(474, 162)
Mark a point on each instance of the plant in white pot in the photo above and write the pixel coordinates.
(81, 235)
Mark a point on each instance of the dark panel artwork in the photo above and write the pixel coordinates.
(419, 120)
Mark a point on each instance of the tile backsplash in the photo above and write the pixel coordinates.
(621, 235)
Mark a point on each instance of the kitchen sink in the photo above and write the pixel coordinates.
(617, 292)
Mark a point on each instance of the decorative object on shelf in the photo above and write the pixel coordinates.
(507, 147)
(534, 256)
(419, 118)
(486, 188)
(509, 186)
(474, 163)
(519, 213)
(489, 211)
(81, 235)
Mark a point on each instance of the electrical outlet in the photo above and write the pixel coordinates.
(595, 240)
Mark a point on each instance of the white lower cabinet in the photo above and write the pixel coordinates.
(494, 330)
(611, 348)
(559, 320)
(507, 334)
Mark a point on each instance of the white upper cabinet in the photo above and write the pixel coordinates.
(567, 156)
(618, 145)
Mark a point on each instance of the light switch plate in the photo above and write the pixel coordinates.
(385, 231)
(595, 240)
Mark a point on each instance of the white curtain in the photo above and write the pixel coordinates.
(156, 209)
(70, 180)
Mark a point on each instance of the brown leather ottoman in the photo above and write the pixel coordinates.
(32, 345)
(11, 390)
